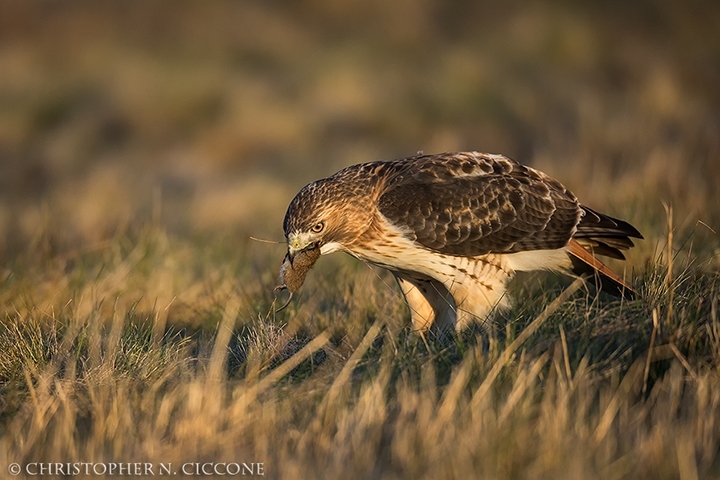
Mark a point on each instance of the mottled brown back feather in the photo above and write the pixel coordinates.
(474, 204)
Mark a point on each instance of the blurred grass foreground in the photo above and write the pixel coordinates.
(143, 143)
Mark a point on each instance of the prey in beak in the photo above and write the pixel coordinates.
(294, 269)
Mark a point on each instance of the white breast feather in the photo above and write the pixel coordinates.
(538, 260)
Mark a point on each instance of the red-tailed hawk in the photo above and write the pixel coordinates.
(453, 229)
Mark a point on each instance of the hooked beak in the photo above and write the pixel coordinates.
(295, 244)
(300, 242)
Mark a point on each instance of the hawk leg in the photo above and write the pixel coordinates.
(430, 303)
(477, 303)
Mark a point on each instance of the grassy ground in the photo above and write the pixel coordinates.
(339, 386)
(143, 144)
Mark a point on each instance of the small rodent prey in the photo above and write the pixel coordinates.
(294, 270)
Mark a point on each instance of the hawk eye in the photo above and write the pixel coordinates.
(318, 227)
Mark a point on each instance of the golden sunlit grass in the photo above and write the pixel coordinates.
(573, 387)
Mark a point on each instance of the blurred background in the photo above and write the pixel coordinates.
(207, 117)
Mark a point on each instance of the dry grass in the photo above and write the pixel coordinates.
(142, 144)
(340, 385)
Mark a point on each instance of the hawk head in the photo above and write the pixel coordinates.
(324, 215)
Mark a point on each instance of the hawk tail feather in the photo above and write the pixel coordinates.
(587, 265)
(604, 235)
